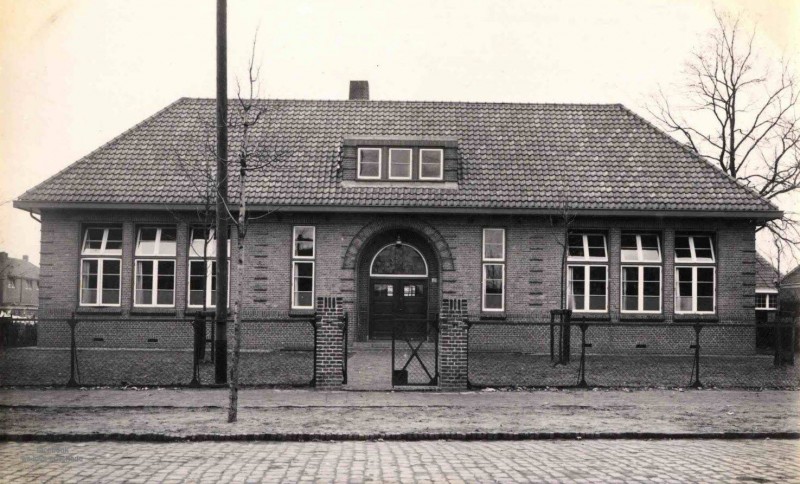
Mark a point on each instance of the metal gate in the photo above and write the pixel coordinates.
(415, 353)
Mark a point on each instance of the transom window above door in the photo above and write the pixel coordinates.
(398, 260)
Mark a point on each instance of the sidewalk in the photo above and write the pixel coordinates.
(166, 414)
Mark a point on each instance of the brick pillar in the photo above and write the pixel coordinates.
(453, 349)
(330, 339)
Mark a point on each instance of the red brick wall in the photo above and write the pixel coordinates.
(532, 267)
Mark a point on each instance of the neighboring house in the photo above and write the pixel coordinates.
(19, 286)
(400, 209)
(767, 279)
(790, 292)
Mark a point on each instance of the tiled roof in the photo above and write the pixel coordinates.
(513, 156)
(766, 274)
(24, 269)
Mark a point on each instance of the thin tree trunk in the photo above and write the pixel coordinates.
(237, 308)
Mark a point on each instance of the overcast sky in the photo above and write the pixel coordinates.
(74, 74)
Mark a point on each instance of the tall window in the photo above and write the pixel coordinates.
(101, 264)
(303, 255)
(155, 267)
(431, 163)
(587, 277)
(494, 270)
(399, 164)
(695, 274)
(203, 271)
(369, 163)
(641, 273)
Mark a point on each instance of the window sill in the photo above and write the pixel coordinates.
(491, 315)
(99, 310)
(629, 317)
(689, 318)
(581, 317)
(302, 313)
(154, 311)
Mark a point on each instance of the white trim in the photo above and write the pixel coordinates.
(483, 287)
(211, 249)
(676, 297)
(692, 251)
(640, 282)
(483, 245)
(441, 164)
(157, 243)
(410, 164)
(99, 288)
(770, 297)
(313, 282)
(586, 285)
(640, 250)
(767, 291)
(313, 242)
(585, 239)
(155, 282)
(389, 276)
(380, 163)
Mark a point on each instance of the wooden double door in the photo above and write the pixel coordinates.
(398, 302)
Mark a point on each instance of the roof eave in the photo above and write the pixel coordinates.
(759, 215)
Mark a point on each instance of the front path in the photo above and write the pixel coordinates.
(439, 461)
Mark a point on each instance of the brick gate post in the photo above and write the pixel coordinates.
(329, 347)
(453, 332)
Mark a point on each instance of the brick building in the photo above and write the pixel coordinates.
(19, 286)
(399, 211)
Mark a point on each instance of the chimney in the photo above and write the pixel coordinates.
(359, 90)
(25, 258)
(3, 256)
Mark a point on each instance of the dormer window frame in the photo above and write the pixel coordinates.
(440, 177)
(361, 150)
(410, 164)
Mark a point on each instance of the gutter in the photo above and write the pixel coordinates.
(715, 214)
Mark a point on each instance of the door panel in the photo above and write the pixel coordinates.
(398, 301)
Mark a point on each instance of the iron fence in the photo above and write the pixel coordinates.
(276, 349)
(568, 352)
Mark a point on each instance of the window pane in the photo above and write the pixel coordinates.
(597, 246)
(652, 273)
(682, 250)
(650, 248)
(494, 271)
(493, 241)
(402, 260)
(168, 241)
(705, 304)
(628, 241)
(88, 282)
(575, 246)
(431, 164)
(114, 240)
(144, 282)
(304, 241)
(369, 165)
(705, 274)
(493, 301)
(409, 290)
(304, 270)
(652, 289)
(597, 303)
(597, 274)
(761, 300)
(652, 303)
(631, 303)
(400, 163)
(383, 290)
(302, 299)
(146, 244)
(685, 274)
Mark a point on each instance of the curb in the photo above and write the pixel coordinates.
(343, 437)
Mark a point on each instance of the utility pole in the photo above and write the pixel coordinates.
(221, 313)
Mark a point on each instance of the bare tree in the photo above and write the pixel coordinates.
(564, 220)
(740, 112)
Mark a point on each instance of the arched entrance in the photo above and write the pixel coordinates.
(398, 284)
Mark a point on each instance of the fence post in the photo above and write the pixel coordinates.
(73, 353)
(582, 365)
(313, 321)
(346, 321)
(5, 325)
(776, 342)
(199, 340)
(696, 346)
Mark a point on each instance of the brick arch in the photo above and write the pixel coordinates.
(377, 226)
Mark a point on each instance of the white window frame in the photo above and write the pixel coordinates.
(586, 285)
(99, 288)
(771, 296)
(586, 258)
(410, 164)
(639, 253)
(211, 249)
(157, 246)
(694, 289)
(156, 262)
(441, 164)
(483, 288)
(313, 282)
(12, 283)
(210, 302)
(314, 242)
(693, 259)
(103, 250)
(483, 246)
(389, 276)
(640, 282)
(380, 164)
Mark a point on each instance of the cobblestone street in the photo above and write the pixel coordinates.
(504, 461)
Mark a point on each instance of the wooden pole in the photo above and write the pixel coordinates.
(221, 313)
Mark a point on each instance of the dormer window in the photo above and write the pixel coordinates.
(369, 163)
(430, 164)
(400, 163)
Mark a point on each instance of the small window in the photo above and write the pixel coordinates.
(494, 280)
(694, 248)
(102, 241)
(587, 247)
(695, 290)
(156, 241)
(302, 285)
(384, 290)
(494, 244)
(369, 163)
(155, 283)
(203, 281)
(304, 242)
(640, 248)
(11, 283)
(399, 164)
(28, 284)
(766, 301)
(413, 290)
(204, 240)
(430, 164)
(641, 289)
(100, 282)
